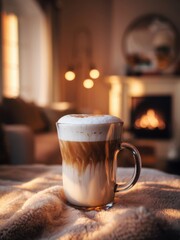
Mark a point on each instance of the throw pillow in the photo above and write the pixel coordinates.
(18, 111)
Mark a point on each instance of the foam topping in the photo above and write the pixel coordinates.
(83, 127)
(88, 119)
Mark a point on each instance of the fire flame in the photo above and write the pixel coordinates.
(150, 120)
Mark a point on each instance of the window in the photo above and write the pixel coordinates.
(26, 52)
(10, 51)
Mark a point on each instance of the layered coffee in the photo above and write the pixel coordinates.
(88, 144)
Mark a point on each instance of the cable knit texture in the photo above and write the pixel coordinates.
(32, 207)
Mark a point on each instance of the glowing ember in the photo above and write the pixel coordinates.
(150, 120)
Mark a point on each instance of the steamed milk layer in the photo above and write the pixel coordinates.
(92, 188)
(87, 145)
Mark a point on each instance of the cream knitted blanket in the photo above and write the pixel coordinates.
(31, 207)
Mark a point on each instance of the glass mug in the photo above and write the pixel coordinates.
(89, 146)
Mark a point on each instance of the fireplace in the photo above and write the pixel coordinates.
(151, 116)
(161, 93)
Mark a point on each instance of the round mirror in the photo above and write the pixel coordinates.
(150, 45)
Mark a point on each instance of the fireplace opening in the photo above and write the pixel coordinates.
(151, 117)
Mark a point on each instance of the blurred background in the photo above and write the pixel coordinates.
(118, 57)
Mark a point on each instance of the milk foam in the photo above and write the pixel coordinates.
(89, 128)
(88, 119)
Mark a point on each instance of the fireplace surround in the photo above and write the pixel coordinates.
(124, 88)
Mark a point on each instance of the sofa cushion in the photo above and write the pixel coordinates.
(18, 111)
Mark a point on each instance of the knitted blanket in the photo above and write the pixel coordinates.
(32, 207)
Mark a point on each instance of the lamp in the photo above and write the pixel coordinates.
(82, 59)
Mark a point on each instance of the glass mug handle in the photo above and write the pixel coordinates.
(137, 169)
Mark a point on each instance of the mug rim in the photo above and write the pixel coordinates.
(120, 122)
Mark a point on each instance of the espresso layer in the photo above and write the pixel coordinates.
(80, 154)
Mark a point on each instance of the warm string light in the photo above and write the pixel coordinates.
(88, 83)
(70, 75)
(93, 73)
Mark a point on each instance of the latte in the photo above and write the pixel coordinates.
(88, 144)
(89, 147)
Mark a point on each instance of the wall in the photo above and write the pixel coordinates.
(124, 12)
(107, 20)
(94, 15)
